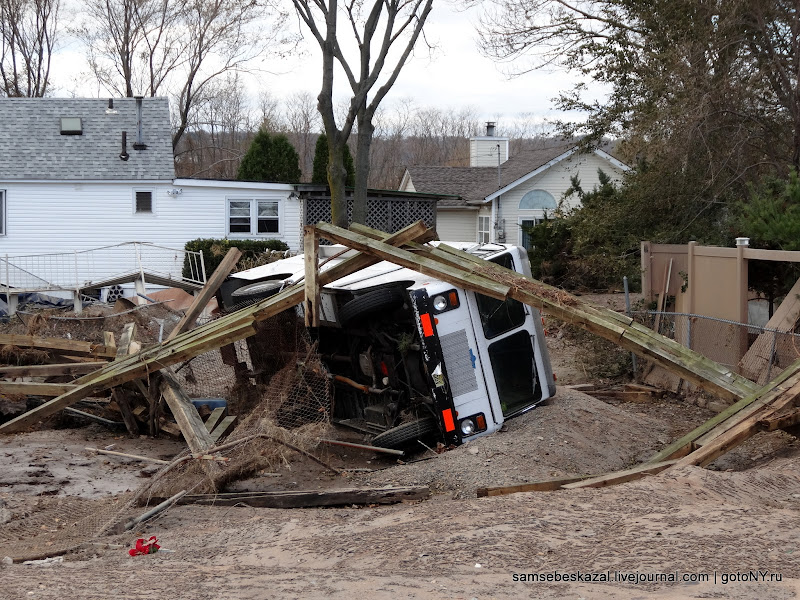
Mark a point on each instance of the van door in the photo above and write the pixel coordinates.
(507, 342)
(465, 373)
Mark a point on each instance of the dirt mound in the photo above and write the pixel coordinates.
(575, 433)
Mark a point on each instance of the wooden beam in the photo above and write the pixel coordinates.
(544, 485)
(208, 291)
(781, 420)
(31, 388)
(212, 335)
(755, 362)
(311, 257)
(631, 474)
(58, 345)
(416, 262)
(741, 431)
(311, 498)
(449, 264)
(194, 430)
(51, 370)
(222, 428)
(741, 409)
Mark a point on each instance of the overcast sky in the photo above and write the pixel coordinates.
(456, 76)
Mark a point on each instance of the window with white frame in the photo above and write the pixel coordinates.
(252, 216)
(484, 229)
(525, 223)
(2, 212)
(143, 201)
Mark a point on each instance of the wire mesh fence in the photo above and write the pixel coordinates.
(756, 352)
(274, 382)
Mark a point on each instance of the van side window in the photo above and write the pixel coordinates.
(499, 316)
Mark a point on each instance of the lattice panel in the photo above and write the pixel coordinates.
(386, 214)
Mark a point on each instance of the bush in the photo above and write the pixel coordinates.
(214, 250)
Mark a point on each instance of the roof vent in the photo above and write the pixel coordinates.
(71, 126)
(110, 110)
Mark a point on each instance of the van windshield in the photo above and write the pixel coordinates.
(514, 371)
(499, 316)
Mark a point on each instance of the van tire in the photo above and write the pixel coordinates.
(406, 434)
(256, 291)
(371, 303)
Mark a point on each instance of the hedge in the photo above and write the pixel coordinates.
(214, 250)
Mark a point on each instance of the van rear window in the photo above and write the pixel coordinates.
(499, 316)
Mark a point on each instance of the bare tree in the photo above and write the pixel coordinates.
(175, 47)
(386, 23)
(302, 127)
(28, 33)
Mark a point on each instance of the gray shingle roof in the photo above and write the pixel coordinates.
(32, 147)
(473, 184)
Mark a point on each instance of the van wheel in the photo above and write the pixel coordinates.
(406, 434)
(256, 291)
(371, 303)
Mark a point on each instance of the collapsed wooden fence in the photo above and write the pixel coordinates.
(753, 404)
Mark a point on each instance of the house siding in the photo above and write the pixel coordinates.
(457, 225)
(57, 217)
(555, 180)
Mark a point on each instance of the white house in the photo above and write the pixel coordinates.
(78, 174)
(495, 195)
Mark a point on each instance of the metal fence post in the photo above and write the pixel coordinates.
(772, 354)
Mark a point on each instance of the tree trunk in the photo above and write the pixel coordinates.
(363, 143)
(337, 176)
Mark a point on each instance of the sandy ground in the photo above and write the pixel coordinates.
(694, 522)
(729, 531)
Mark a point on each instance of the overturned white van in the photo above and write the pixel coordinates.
(415, 358)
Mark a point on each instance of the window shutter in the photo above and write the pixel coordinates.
(144, 202)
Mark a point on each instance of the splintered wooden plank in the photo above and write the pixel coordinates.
(52, 370)
(212, 335)
(214, 418)
(58, 345)
(311, 498)
(618, 477)
(731, 415)
(209, 289)
(743, 430)
(755, 362)
(782, 420)
(311, 257)
(194, 430)
(222, 428)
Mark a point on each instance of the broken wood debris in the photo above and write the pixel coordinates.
(311, 498)
(752, 404)
(212, 335)
(58, 346)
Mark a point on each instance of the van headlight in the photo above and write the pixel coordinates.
(439, 303)
(467, 427)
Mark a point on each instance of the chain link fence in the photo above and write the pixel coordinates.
(758, 353)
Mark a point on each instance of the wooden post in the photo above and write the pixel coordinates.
(119, 394)
(647, 275)
(691, 282)
(210, 288)
(741, 290)
(311, 251)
